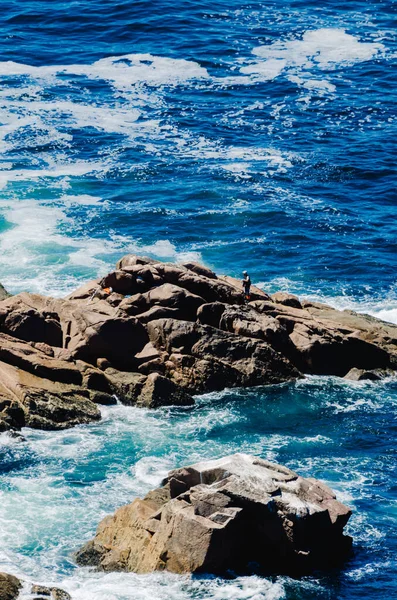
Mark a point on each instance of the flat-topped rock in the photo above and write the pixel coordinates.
(222, 515)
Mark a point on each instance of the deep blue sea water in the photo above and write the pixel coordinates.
(247, 135)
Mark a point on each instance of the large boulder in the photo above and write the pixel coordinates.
(29, 317)
(203, 358)
(94, 335)
(29, 400)
(223, 515)
(326, 341)
(184, 305)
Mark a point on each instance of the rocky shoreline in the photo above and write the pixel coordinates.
(156, 334)
(153, 334)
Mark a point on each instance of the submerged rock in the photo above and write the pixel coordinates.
(227, 514)
(163, 333)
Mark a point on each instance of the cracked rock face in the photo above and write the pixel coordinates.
(227, 514)
(164, 333)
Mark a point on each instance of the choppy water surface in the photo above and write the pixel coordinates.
(246, 135)
(57, 486)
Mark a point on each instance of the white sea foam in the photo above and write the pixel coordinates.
(35, 255)
(325, 47)
(122, 71)
(165, 585)
(384, 309)
(318, 50)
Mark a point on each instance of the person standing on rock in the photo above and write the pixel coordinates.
(246, 286)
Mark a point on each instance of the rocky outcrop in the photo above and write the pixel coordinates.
(11, 588)
(222, 515)
(152, 334)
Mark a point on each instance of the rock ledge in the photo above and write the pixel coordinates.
(153, 334)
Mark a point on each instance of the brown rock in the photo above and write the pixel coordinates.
(50, 348)
(20, 318)
(46, 404)
(94, 335)
(286, 299)
(87, 291)
(183, 304)
(131, 260)
(211, 313)
(255, 292)
(200, 270)
(125, 386)
(362, 375)
(210, 359)
(53, 593)
(223, 515)
(9, 587)
(160, 391)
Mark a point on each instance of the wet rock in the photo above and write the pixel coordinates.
(225, 515)
(362, 375)
(9, 587)
(51, 593)
(125, 386)
(160, 391)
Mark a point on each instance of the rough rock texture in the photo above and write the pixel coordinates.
(9, 587)
(225, 514)
(53, 593)
(153, 333)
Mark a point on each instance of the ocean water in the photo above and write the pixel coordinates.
(254, 135)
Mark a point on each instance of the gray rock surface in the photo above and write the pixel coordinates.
(225, 514)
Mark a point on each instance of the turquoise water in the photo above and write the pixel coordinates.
(58, 485)
(256, 136)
